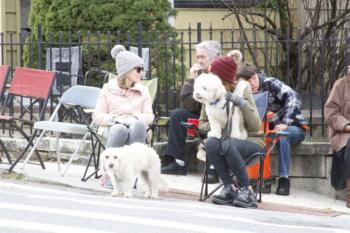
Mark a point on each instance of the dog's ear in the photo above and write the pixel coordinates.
(219, 91)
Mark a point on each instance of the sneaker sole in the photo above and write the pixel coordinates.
(220, 202)
(173, 173)
(245, 205)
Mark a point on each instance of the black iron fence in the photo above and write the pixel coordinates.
(310, 64)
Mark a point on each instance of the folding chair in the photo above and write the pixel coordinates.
(76, 98)
(34, 86)
(261, 100)
(4, 74)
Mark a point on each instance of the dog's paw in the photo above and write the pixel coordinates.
(115, 193)
(147, 195)
(127, 195)
(154, 196)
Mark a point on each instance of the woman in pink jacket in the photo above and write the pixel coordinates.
(124, 107)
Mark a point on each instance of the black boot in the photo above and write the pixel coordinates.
(173, 169)
(166, 160)
(245, 198)
(283, 186)
(226, 196)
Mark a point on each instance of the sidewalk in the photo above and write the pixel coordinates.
(187, 187)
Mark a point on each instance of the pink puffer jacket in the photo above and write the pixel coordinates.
(122, 104)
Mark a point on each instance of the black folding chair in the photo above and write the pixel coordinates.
(261, 100)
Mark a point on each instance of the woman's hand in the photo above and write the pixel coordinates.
(235, 99)
(280, 127)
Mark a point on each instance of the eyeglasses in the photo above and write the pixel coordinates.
(138, 69)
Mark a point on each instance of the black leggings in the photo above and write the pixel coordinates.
(340, 171)
(231, 155)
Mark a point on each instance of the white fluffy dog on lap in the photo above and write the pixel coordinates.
(210, 91)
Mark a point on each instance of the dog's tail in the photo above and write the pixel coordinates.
(163, 186)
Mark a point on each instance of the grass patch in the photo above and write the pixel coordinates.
(11, 175)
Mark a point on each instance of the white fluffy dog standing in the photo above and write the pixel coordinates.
(209, 90)
(126, 163)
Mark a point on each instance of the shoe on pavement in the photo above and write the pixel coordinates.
(245, 198)
(174, 169)
(283, 186)
(226, 196)
(166, 160)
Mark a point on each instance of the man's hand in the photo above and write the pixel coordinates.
(194, 71)
(280, 127)
(235, 99)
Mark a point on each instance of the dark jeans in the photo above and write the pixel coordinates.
(231, 156)
(296, 135)
(340, 171)
(177, 133)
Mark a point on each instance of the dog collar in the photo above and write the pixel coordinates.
(215, 102)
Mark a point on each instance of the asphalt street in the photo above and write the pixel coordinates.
(44, 208)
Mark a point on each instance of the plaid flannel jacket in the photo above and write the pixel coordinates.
(283, 101)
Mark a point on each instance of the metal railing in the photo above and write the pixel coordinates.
(310, 64)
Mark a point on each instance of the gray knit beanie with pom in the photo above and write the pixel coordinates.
(125, 61)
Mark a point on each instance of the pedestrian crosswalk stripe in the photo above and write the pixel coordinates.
(186, 227)
(44, 227)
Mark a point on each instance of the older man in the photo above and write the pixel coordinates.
(174, 161)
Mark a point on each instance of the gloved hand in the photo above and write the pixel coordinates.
(235, 99)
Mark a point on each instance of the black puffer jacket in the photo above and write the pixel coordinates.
(186, 99)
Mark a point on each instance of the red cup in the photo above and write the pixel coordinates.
(191, 131)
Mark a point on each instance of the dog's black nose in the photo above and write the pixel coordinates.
(111, 165)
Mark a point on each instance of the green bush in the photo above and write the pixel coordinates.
(97, 18)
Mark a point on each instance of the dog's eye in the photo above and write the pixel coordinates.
(115, 157)
(107, 157)
(204, 88)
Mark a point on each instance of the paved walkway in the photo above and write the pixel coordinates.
(187, 187)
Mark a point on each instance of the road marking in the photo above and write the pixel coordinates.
(254, 222)
(186, 227)
(45, 227)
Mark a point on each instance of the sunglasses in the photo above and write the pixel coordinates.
(139, 69)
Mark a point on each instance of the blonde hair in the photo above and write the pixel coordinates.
(123, 84)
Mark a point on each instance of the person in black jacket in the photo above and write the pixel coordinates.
(174, 160)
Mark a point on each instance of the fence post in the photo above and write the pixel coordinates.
(139, 38)
(199, 33)
(40, 39)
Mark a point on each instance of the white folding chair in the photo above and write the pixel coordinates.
(76, 98)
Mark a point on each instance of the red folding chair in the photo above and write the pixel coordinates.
(4, 73)
(28, 87)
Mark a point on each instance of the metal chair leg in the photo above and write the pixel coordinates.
(5, 151)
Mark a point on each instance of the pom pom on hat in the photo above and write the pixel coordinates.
(225, 68)
(117, 49)
(125, 61)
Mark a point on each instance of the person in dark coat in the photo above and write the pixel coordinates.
(174, 160)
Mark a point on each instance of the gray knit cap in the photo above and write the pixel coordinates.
(125, 61)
